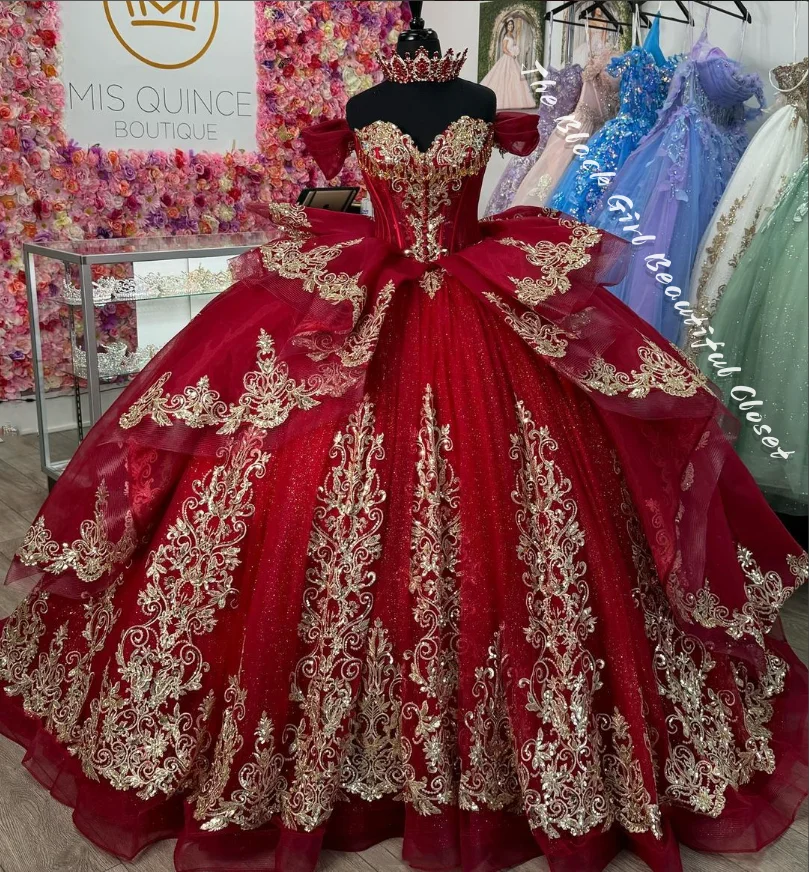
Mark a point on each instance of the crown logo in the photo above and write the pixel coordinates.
(142, 15)
(422, 67)
(167, 35)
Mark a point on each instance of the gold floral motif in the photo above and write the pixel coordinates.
(372, 766)
(765, 593)
(332, 380)
(261, 786)
(53, 684)
(287, 258)
(432, 281)
(19, 643)
(270, 395)
(491, 779)
(435, 543)
(137, 736)
(559, 769)
(228, 745)
(543, 337)
(90, 556)
(359, 347)
(290, 216)
(704, 756)
(634, 809)
(61, 710)
(724, 224)
(344, 544)
(425, 181)
(555, 260)
(658, 371)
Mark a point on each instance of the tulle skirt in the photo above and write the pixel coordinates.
(443, 578)
(762, 319)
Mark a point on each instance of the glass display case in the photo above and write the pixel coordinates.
(137, 294)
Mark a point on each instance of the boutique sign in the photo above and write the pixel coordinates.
(157, 75)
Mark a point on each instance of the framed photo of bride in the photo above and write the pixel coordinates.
(512, 40)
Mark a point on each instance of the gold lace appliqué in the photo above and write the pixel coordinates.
(360, 345)
(343, 546)
(432, 281)
(137, 736)
(287, 258)
(435, 542)
(658, 371)
(555, 260)
(766, 594)
(270, 394)
(563, 758)
(705, 753)
(543, 337)
(90, 556)
(261, 784)
(491, 779)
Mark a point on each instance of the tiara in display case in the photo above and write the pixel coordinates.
(114, 361)
(150, 286)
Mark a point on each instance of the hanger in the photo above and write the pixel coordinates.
(742, 12)
(646, 16)
(586, 15)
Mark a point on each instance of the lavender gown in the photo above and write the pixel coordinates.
(676, 177)
(567, 91)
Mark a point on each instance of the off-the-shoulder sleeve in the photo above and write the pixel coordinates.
(329, 144)
(516, 132)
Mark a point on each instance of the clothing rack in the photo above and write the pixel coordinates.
(615, 26)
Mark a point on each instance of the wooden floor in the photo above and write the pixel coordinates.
(37, 835)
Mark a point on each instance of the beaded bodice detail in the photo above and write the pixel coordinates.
(426, 202)
(793, 81)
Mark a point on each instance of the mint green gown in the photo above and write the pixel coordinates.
(762, 319)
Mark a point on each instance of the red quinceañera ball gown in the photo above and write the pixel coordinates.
(416, 530)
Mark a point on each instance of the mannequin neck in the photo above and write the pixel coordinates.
(412, 40)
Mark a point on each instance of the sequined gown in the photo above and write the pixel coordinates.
(762, 320)
(598, 101)
(772, 158)
(644, 75)
(410, 532)
(567, 91)
(675, 179)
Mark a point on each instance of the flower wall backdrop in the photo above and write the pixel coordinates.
(311, 58)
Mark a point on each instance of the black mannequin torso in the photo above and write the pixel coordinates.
(421, 109)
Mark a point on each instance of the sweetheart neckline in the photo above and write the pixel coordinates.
(411, 143)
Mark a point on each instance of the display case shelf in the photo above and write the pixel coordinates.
(166, 282)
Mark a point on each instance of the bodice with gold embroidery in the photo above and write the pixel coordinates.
(425, 203)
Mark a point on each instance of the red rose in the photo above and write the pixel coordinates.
(48, 38)
(289, 71)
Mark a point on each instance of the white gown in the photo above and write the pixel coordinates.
(505, 78)
(773, 156)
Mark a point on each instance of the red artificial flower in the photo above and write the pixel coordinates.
(48, 38)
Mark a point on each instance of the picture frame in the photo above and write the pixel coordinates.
(511, 40)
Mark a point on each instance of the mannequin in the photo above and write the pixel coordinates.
(421, 109)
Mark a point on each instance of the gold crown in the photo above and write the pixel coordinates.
(422, 67)
(142, 14)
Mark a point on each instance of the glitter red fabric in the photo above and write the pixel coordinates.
(455, 548)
